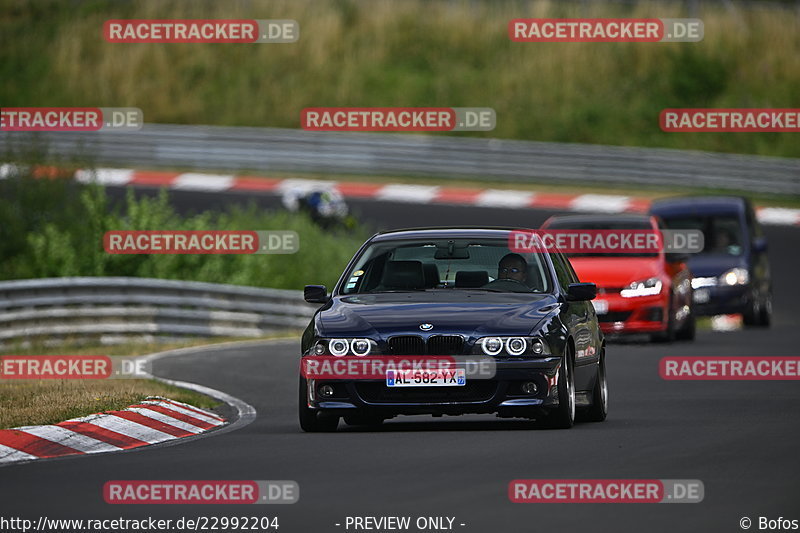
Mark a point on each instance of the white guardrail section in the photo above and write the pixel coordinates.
(116, 308)
(286, 150)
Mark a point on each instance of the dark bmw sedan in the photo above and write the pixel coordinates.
(464, 295)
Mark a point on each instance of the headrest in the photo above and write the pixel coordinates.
(431, 272)
(403, 275)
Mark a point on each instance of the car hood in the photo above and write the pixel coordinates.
(470, 313)
(615, 271)
(713, 265)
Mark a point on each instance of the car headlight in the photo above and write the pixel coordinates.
(318, 349)
(491, 345)
(512, 346)
(360, 347)
(338, 347)
(648, 287)
(516, 345)
(735, 276)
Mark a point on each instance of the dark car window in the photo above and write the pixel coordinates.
(752, 223)
(563, 271)
(453, 264)
(573, 276)
(723, 233)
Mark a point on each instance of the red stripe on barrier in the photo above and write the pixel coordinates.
(31, 444)
(202, 424)
(50, 172)
(558, 201)
(457, 195)
(151, 423)
(248, 183)
(362, 190)
(638, 205)
(102, 434)
(153, 178)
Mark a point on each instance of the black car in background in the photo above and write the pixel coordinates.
(457, 292)
(732, 274)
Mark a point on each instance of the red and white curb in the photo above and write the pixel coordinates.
(152, 421)
(413, 194)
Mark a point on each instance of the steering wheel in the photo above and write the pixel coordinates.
(508, 284)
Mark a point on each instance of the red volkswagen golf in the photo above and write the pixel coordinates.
(645, 292)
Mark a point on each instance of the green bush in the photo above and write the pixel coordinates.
(54, 228)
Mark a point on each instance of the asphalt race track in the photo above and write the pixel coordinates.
(739, 438)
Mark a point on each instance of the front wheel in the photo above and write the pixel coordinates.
(599, 409)
(310, 420)
(689, 330)
(668, 335)
(563, 416)
(765, 317)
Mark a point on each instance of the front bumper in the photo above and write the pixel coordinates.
(502, 394)
(722, 300)
(642, 314)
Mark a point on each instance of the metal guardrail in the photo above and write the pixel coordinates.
(116, 308)
(271, 150)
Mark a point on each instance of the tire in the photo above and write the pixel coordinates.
(750, 317)
(689, 330)
(668, 335)
(599, 409)
(310, 420)
(563, 416)
(765, 317)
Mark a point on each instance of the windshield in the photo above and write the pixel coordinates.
(722, 233)
(448, 264)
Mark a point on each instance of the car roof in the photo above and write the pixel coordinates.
(698, 205)
(454, 232)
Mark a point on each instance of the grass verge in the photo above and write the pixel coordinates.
(36, 402)
(415, 53)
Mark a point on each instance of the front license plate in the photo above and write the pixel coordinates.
(600, 306)
(702, 296)
(456, 377)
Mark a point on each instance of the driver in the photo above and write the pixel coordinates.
(513, 267)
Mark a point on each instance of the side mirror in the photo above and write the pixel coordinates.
(581, 292)
(760, 245)
(676, 257)
(315, 294)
